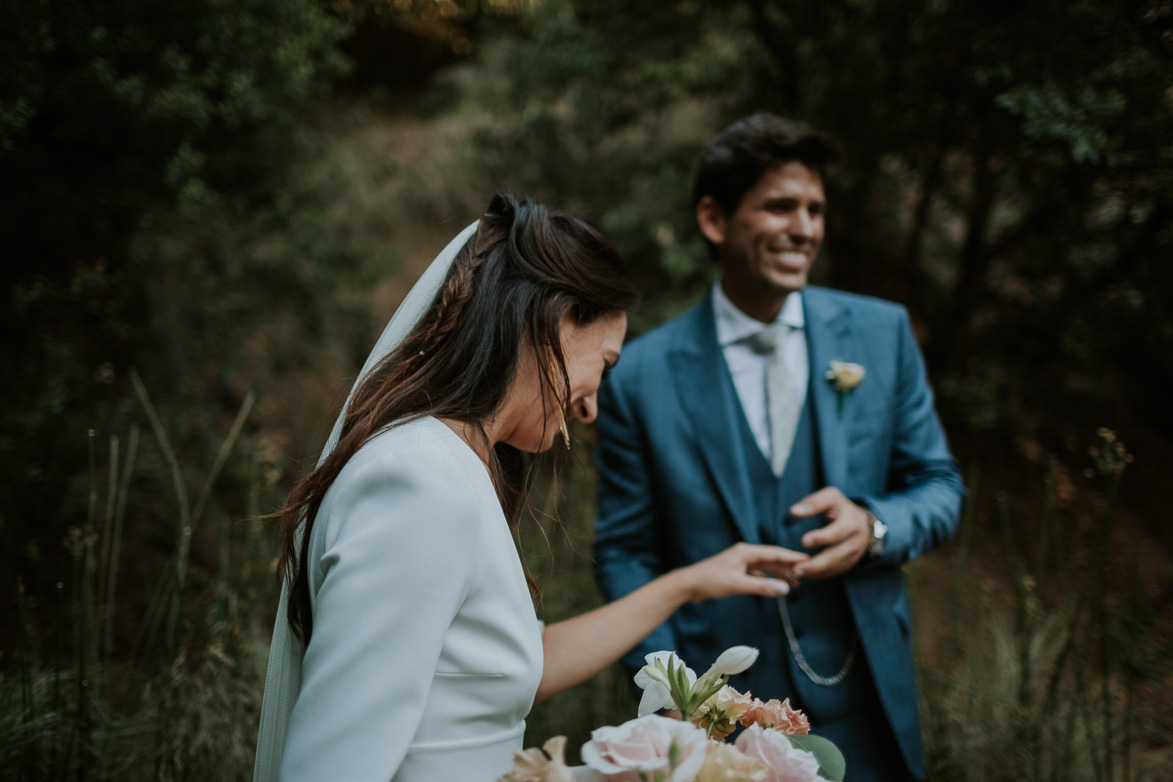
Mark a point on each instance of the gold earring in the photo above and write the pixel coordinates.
(563, 428)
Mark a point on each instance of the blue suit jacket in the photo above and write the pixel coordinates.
(674, 485)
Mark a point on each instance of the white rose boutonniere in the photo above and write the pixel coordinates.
(844, 377)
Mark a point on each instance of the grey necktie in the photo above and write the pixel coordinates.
(783, 406)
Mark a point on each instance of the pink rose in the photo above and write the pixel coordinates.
(646, 744)
(787, 763)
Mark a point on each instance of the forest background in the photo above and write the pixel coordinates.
(208, 209)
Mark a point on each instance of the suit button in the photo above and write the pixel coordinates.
(794, 596)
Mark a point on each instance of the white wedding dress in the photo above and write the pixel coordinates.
(426, 652)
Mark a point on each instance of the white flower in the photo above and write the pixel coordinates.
(647, 744)
(844, 375)
(656, 696)
(653, 679)
(735, 660)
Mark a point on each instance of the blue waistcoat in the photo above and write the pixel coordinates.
(819, 612)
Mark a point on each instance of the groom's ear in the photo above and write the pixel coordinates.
(710, 219)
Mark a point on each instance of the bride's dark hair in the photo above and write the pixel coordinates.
(508, 289)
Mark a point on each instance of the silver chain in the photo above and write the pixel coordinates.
(822, 681)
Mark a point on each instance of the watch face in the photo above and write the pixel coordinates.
(879, 532)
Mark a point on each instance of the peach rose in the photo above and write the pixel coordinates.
(648, 744)
(719, 715)
(780, 716)
(786, 762)
(547, 764)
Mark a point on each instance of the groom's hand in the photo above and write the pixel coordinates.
(845, 536)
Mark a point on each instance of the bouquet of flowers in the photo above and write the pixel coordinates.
(776, 745)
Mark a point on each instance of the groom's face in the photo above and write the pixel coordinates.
(767, 246)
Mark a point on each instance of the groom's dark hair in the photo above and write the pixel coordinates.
(736, 160)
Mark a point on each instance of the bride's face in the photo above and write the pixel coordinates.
(589, 351)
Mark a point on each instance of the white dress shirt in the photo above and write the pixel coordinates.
(747, 365)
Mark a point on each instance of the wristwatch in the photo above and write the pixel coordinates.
(879, 535)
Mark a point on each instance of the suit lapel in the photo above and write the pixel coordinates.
(828, 329)
(708, 398)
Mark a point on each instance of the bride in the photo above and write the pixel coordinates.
(406, 645)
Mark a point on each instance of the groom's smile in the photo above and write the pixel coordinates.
(768, 244)
(794, 260)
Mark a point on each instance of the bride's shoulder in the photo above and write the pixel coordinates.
(425, 446)
(422, 450)
(409, 480)
(420, 460)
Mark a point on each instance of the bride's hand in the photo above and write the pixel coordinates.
(743, 569)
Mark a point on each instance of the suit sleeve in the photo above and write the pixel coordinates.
(924, 493)
(628, 542)
(398, 563)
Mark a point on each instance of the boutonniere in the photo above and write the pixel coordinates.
(844, 377)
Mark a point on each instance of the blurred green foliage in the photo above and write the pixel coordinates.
(1009, 171)
(145, 150)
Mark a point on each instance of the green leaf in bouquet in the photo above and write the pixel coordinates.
(832, 766)
(679, 686)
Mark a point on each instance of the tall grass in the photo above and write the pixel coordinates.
(1037, 687)
(76, 707)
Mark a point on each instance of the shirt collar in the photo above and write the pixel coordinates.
(733, 325)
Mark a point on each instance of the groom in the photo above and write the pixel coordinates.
(739, 421)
